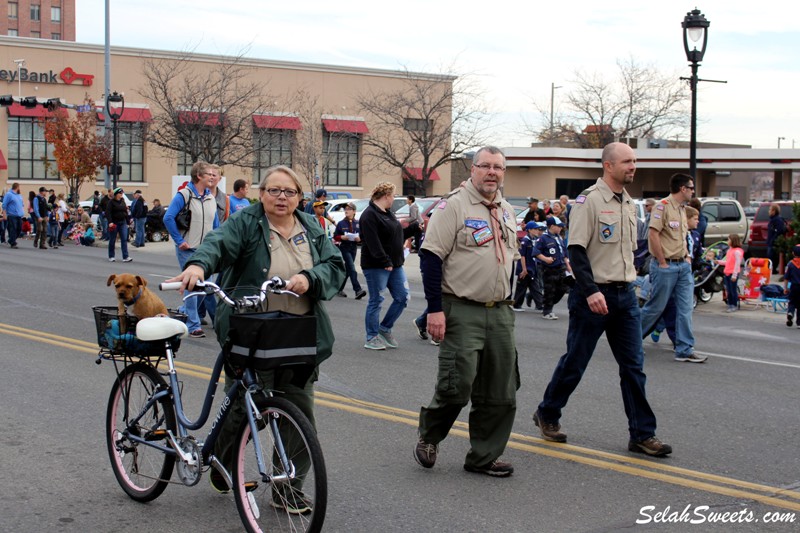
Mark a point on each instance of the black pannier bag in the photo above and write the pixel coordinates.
(273, 340)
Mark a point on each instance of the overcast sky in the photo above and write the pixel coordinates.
(517, 49)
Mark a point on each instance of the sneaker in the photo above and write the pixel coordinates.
(517, 309)
(341, 294)
(375, 343)
(203, 321)
(422, 333)
(550, 316)
(127, 260)
(360, 294)
(218, 482)
(496, 468)
(111, 259)
(293, 503)
(436, 343)
(731, 309)
(197, 334)
(388, 339)
(13, 246)
(551, 432)
(691, 358)
(651, 446)
(789, 320)
(655, 335)
(425, 453)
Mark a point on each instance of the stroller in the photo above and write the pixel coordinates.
(154, 229)
(708, 275)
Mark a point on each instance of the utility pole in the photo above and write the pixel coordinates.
(553, 88)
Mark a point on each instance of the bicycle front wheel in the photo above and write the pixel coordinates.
(293, 499)
(142, 471)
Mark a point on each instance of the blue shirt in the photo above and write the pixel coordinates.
(12, 204)
(526, 247)
(238, 204)
(550, 245)
(346, 226)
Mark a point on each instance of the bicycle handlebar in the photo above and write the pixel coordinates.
(275, 285)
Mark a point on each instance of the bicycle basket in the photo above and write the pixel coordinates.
(265, 341)
(110, 337)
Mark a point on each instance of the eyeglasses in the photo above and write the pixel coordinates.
(486, 167)
(289, 193)
(690, 188)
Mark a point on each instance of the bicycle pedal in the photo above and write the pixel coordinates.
(158, 434)
(250, 486)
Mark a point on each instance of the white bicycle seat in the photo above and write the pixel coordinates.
(160, 328)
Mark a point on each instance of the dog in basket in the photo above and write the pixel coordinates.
(133, 294)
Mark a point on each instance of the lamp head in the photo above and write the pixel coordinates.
(695, 29)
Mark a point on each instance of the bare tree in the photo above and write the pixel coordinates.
(206, 116)
(425, 123)
(641, 102)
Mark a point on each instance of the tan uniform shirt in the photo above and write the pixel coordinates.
(289, 257)
(606, 229)
(669, 220)
(460, 233)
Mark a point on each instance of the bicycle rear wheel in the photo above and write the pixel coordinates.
(142, 471)
(286, 502)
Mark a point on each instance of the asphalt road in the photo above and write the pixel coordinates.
(733, 423)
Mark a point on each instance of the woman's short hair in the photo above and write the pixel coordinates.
(286, 170)
(199, 168)
(384, 188)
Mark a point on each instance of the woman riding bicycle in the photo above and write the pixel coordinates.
(271, 238)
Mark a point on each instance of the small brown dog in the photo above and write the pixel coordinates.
(132, 292)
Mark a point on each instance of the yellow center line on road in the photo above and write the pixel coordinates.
(650, 469)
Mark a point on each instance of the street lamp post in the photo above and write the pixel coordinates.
(553, 88)
(695, 29)
(779, 141)
(115, 114)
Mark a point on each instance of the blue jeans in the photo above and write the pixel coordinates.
(623, 330)
(190, 304)
(139, 225)
(14, 228)
(731, 291)
(349, 257)
(102, 225)
(379, 279)
(675, 281)
(122, 230)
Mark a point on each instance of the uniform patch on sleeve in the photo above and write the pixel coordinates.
(580, 199)
(442, 204)
(656, 215)
(660, 207)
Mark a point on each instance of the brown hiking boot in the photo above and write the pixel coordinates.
(425, 453)
(551, 432)
(651, 446)
(496, 468)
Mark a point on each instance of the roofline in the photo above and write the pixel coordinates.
(668, 158)
(71, 46)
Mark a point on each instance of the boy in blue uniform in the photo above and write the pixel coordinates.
(550, 252)
(791, 286)
(527, 271)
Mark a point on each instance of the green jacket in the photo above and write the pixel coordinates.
(240, 250)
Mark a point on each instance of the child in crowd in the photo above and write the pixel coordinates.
(53, 228)
(791, 286)
(527, 271)
(733, 265)
(550, 252)
(87, 239)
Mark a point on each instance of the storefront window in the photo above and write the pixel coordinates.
(273, 147)
(341, 158)
(131, 150)
(28, 151)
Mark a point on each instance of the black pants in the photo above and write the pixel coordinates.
(555, 287)
(533, 283)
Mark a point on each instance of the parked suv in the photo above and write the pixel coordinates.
(725, 216)
(757, 241)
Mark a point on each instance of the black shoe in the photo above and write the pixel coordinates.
(421, 333)
(425, 453)
(651, 446)
(341, 294)
(360, 294)
(549, 431)
(203, 321)
(496, 468)
(789, 320)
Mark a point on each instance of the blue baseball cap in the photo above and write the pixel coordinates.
(554, 221)
(534, 225)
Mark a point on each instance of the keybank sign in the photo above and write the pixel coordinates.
(67, 76)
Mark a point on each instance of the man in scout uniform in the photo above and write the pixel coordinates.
(466, 260)
(601, 244)
(671, 267)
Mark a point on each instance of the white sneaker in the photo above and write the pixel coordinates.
(111, 259)
(127, 260)
(550, 316)
(517, 309)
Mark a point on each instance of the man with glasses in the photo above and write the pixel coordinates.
(671, 267)
(466, 259)
(203, 209)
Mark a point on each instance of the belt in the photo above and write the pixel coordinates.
(679, 260)
(613, 285)
(483, 304)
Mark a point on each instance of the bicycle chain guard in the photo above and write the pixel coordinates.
(189, 474)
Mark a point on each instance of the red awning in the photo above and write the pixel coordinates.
(205, 118)
(344, 126)
(132, 114)
(276, 122)
(417, 173)
(3, 163)
(17, 110)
